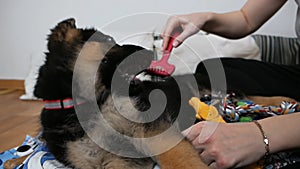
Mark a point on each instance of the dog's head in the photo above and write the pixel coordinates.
(85, 55)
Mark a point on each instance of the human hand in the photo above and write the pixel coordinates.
(226, 145)
(186, 24)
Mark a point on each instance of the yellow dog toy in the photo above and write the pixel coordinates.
(205, 112)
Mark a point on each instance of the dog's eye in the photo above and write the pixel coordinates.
(109, 39)
(104, 60)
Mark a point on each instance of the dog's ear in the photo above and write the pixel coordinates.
(65, 31)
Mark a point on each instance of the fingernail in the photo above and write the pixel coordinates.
(186, 131)
(175, 43)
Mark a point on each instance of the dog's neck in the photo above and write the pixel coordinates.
(58, 104)
(69, 103)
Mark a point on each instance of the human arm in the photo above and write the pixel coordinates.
(230, 145)
(236, 24)
(283, 131)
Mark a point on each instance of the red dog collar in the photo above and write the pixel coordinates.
(58, 104)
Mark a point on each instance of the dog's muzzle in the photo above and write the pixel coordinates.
(148, 76)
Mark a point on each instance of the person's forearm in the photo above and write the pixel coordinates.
(230, 25)
(243, 22)
(283, 131)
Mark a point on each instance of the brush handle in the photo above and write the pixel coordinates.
(165, 57)
(166, 54)
(170, 44)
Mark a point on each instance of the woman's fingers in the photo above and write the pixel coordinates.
(207, 158)
(180, 23)
(173, 23)
(194, 131)
(213, 165)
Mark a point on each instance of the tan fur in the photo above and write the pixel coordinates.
(85, 67)
(92, 51)
(181, 156)
(71, 34)
(90, 153)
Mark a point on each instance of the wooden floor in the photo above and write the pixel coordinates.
(17, 118)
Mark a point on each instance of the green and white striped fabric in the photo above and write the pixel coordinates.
(279, 50)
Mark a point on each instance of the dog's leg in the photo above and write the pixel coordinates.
(183, 155)
(116, 162)
(270, 101)
(171, 150)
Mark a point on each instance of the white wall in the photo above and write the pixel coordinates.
(26, 23)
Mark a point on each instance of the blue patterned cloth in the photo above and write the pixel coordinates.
(27, 147)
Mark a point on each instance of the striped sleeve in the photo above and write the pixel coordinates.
(279, 50)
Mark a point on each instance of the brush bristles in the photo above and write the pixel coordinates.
(159, 71)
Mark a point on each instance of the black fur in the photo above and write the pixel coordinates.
(61, 128)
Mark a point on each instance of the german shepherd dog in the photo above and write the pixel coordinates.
(104, 110)
(82, 105)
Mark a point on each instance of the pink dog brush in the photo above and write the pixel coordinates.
(162, 67)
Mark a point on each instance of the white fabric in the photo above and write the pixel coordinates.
(35, 161)
(30, 80)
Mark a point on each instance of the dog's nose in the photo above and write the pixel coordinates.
(71, 21)
(135, 87)
(135, 82)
